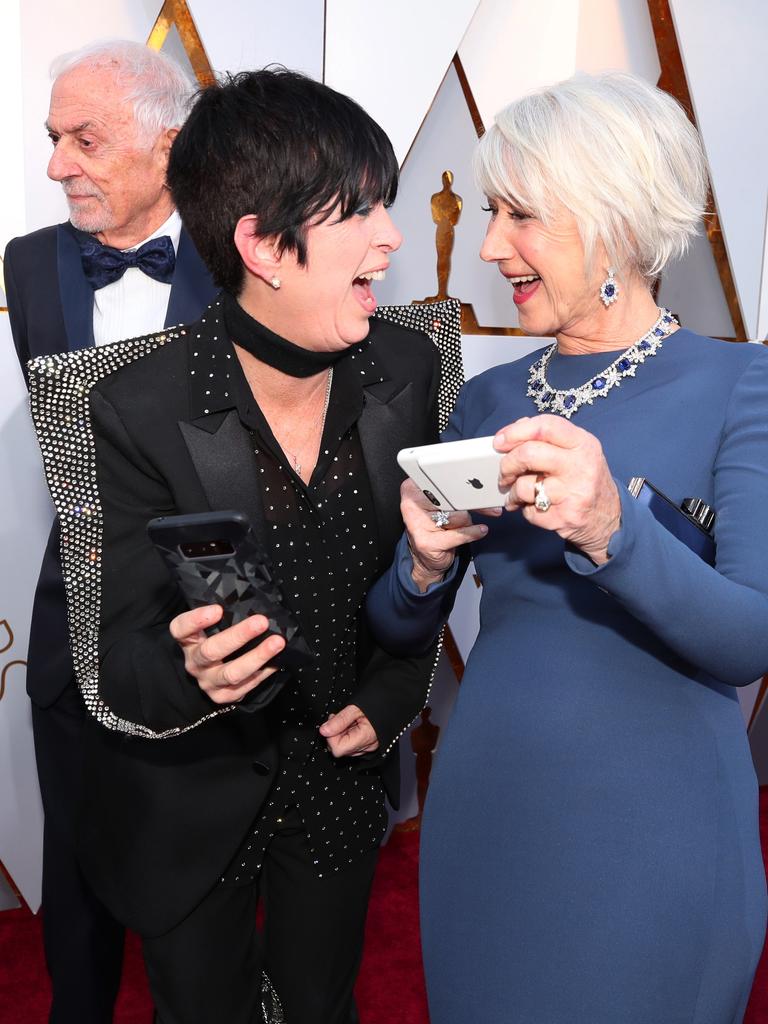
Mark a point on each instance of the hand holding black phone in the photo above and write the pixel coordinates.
(216, 559)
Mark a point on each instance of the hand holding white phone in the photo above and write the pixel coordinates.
(456, 475)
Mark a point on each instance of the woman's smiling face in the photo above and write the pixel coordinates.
(325, 303)
(545, 264)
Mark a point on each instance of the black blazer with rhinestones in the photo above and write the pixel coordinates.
(172, 780)
(50, 305)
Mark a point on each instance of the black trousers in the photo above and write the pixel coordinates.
(207, 970)
(83, 942)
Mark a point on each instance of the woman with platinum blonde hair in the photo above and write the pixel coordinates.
(590, 849)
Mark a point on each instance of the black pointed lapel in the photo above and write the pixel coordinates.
(386, 426)
(218, 442)
(224, 462)
(76, 293)
(192, 288)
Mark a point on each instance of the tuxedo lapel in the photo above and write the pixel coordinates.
(76, 293)
(224, 462)
(192, 288)
(217, 441)
(386, 426)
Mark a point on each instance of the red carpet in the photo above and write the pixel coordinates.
(757, 1011)
(390, 988)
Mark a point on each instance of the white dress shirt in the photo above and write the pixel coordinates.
(136, 304)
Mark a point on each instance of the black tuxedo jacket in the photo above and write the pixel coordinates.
(174, 781)
(50, 305)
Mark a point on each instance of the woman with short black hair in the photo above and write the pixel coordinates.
(211, 776)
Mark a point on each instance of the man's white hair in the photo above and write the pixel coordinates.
(618, 153)
(159, 91)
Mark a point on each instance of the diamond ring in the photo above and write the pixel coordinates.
(541, 500)
(441, 519)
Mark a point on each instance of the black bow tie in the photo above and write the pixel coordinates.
(102, 264)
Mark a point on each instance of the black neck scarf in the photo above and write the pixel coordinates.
(270, 348)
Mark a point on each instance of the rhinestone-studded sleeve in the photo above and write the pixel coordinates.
(60, 387)
(441, 321)
(65, 390)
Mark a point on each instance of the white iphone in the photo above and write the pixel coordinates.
(458, 475)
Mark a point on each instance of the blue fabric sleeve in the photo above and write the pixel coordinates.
(715, 618)
(405, 621)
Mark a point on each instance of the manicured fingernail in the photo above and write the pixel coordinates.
(483, 528)
(499, 439)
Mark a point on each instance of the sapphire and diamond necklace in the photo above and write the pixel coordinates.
(567, 402)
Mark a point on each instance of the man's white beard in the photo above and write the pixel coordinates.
(93, 223)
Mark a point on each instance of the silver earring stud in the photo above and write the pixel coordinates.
(275, 282)
(609, 290)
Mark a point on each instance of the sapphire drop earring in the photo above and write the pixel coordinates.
(609, 290)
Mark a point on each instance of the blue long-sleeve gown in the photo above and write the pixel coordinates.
(590, 849)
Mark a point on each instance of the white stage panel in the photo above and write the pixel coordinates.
(514, 46)
(724, 59)
(242, 37)
(446, 142)
(26, 519)
(617, 35)
(692, 288)
(12, 219)
(762, 319)
(392, 58)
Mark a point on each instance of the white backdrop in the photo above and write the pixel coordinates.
(24, 525)
(396, 60)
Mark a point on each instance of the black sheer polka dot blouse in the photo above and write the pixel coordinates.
(324, 549)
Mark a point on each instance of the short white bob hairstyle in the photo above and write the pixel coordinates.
(619, 154)
(159, 91)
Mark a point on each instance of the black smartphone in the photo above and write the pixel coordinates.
(691, 522)
(216, 559)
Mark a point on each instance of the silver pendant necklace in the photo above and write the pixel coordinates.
(567, 402)
(295, 457)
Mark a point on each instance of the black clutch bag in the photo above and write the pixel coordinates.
(691, 522)
(216, 559)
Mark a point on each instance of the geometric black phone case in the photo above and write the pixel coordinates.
(235, 574)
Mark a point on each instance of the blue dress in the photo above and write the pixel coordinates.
(590, 850)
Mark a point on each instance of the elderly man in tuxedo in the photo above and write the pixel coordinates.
(121, 266)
